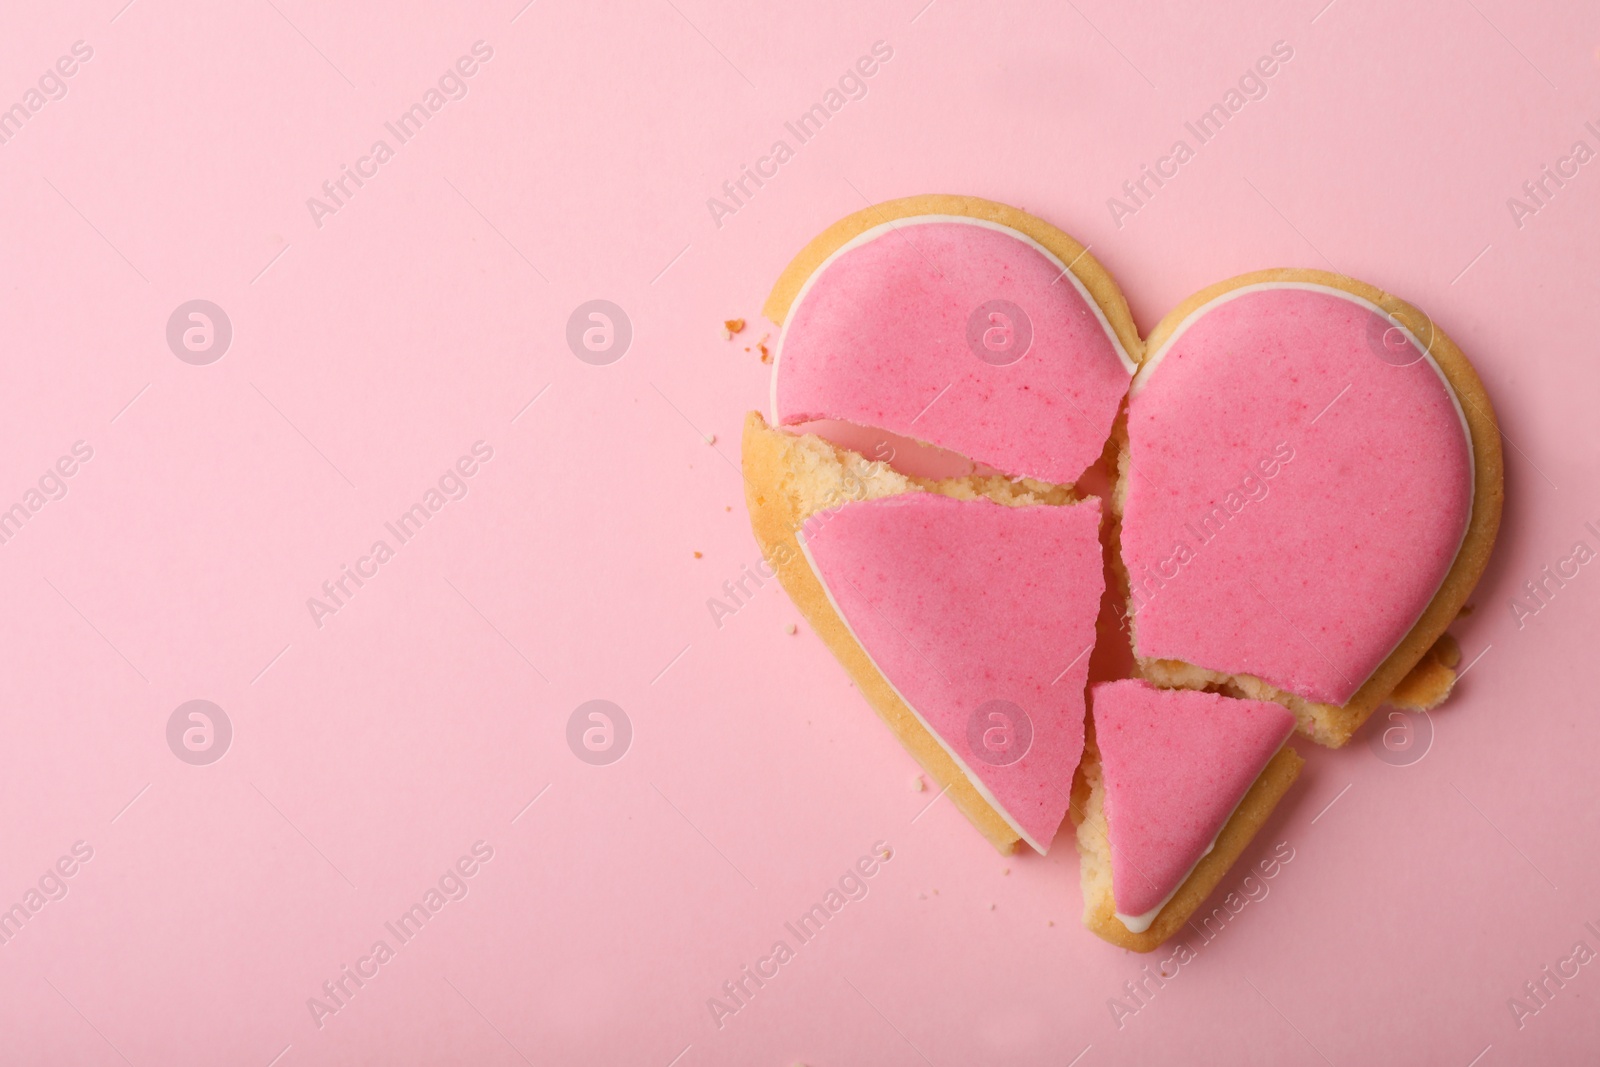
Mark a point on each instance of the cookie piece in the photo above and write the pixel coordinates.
(791, 477)
(979, 617)
(1309, 489)
(960, 323)
(1178, 784)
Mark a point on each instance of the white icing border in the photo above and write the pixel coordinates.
(884, 228)
(977, 783)
(1138, 924)
(1153, 360)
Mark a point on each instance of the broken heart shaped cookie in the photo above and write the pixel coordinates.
(954, 376)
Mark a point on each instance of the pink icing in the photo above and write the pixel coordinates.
(1295, 498)
(880, 337)
(962, 603)
(1176, 764)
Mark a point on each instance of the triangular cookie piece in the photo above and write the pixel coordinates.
(1174, 766)
(981, 617)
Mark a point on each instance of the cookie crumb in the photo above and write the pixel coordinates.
(728, 508)
(766, 353)
(711, 438)
(791, 628)
(1005, 870)
(698, 555)
(1050, 922)
(917, 784)
(731, 327)
(1447, 651)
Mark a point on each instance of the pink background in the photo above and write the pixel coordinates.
(369, 353)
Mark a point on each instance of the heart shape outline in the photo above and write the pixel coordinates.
(1413, 668)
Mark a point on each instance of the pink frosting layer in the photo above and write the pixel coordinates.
(1176, 764)
(1296, 498)
(880, 337)
(981, 616)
